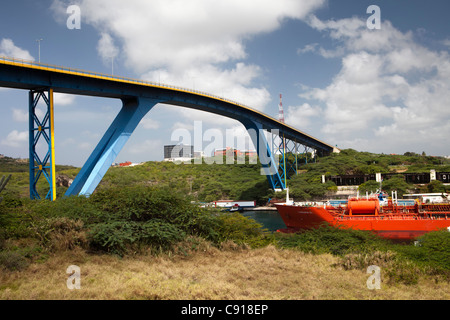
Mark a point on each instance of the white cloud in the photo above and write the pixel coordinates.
(308, 48)
(20, 115)
(172, 32)
(300, 116)
(16, 139)
(344, 28)
(234, 83)
(85, 146)
(106, 48)
(77, 143)
(391, 92)
(334, 53)
(197, 44)
(145, 147)
(148, 123)
(9, 49)
(62, 99)
(353, 36)
(446, 42)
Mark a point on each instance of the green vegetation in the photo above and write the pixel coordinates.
(327, 239)
(139, 220)
(206, 182)
(350, 162)
(153, 209)
(394, 184)
(3, 182)
(307, 185)
(122, 221)
(403, 263)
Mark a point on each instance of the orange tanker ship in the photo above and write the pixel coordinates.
(385, 217)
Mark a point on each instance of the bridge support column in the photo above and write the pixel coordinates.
(269, 163)
(289, 151)
(101, 159)
(281, 148)
(41, 130)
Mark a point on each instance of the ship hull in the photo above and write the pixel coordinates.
(299, 218)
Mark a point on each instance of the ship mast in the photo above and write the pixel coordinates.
(281, 119)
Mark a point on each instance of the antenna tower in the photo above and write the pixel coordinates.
(280, 110)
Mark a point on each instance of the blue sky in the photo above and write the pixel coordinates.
(383, 91)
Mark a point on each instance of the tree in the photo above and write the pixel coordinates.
(369, 186)
(396, 184)
(410, 154)
(436, 186)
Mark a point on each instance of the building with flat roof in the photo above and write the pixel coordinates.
(178, 153)
(234, 152)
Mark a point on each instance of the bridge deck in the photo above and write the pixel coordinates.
(22, 74)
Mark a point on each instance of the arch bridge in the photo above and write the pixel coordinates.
(138, 98)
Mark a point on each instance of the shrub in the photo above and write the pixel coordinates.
(13, 261)
(361, 261)
(403, 271)
(235, 227)
(432, 250)
(60, 233)
(113, 237)
(139, 216)
(121, 237)
(2, 239)
(329, 239)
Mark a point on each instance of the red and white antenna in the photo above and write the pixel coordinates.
(280, 110)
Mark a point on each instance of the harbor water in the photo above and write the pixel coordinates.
(269, 219)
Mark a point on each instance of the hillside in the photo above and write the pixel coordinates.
(8, 164)
(144, 216)
(210, 182)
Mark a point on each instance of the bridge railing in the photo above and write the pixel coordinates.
(30, 63)
(98, 75)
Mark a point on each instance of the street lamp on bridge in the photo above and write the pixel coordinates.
(39, 44)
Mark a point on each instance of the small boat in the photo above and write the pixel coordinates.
(233, 206)
(236, 208)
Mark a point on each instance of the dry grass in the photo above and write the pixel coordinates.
(209, 274)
